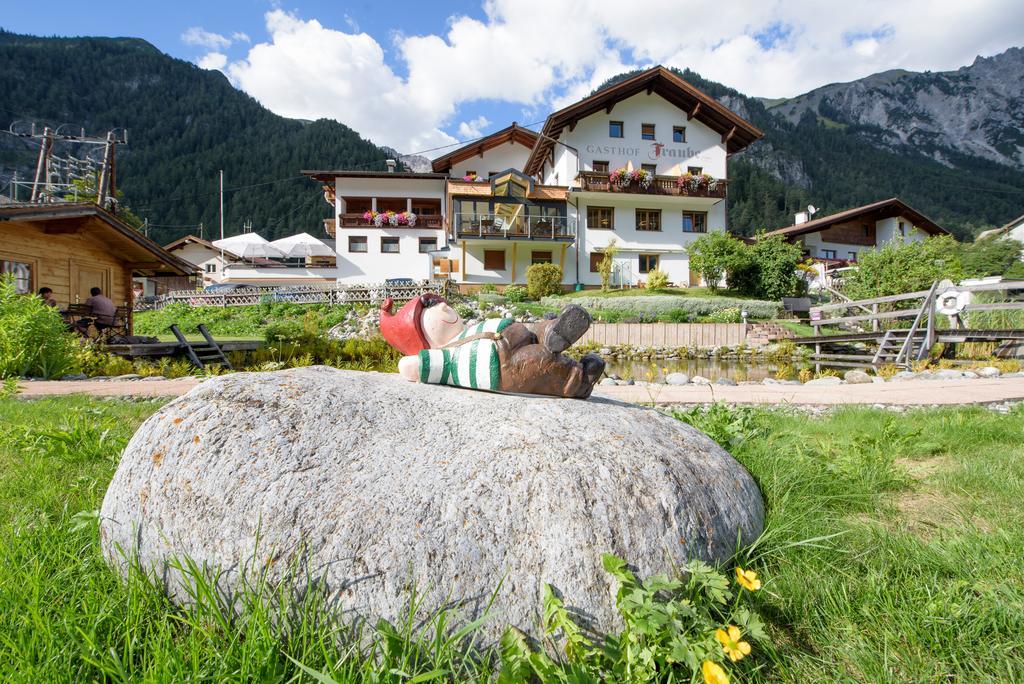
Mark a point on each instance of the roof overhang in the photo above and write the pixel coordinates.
(874, 212)
(737, 133)
(329, 176)
(513, 135)
(136, 251)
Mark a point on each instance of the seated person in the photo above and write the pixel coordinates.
(46, 294)
(102, 310)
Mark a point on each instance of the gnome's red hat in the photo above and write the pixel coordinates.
(402, 330)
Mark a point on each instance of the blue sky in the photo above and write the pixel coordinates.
(421, 75)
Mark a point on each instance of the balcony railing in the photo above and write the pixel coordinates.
(496, 227)
(597, 181)
(422, 221)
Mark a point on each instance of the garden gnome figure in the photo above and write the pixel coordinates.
(499, 355)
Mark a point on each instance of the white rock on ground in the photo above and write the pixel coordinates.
(825, 381)
(677, 379)
(375, 485)
(700, 380)
(988, 372)
(856, 377)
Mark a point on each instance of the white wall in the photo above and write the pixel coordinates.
(374, 266)
(703, 146)
(505, 156)
(200, 255)
(670, 242)
(886, 230)
(476, 273)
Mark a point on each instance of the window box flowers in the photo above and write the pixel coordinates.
(623, 178)
(692, 182)
(380, 219)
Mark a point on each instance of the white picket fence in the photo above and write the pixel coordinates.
(304, 294)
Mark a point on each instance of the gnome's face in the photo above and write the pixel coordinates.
(440, 324)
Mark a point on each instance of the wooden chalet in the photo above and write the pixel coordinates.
(71, 248)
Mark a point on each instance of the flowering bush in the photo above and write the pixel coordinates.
(674, 629)
(390, 218)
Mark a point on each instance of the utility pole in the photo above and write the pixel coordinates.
(222, 218)
(106, 172)
(145, 227)
(14, 187)
(43, 163)
(202, 233)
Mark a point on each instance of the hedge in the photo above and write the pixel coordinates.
(655, 305)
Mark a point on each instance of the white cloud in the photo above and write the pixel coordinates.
(308, 70)
(196, 35)
(240, 37)
(474, 128)
(212, 60)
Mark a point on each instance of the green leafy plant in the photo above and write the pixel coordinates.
(488, 288)
(897, 268)
(712, 254)
(543, 280)
(33, 339)
(465, 311)
(607, 263)
(674, 629)
(728, 315)
(516, 293)
(657, 280)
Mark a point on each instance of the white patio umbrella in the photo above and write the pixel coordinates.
(249, 246)
(303, 245)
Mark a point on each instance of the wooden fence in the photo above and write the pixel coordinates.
(304, 294)
(673, 335)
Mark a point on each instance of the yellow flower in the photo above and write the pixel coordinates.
(713, 673)
(748, 579)
(731, 644)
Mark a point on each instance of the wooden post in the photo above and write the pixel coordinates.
(561, 259)
(462, 266)
(514, 263)
(874, 321)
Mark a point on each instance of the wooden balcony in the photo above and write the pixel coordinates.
(492, 227)
(597, 181)
(357, 221)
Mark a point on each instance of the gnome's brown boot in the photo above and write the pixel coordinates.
(570, 326)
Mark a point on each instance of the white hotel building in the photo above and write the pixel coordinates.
(493, 207)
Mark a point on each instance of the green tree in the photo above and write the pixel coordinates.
(777, 274)
(712, 254)
(898, 268)
(989, 257)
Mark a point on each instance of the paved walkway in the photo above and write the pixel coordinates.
(906, 393)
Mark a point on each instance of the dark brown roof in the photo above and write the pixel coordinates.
(736, 132)
(326, 176)
(182, 241)
(511, 134)
(77, 215)
(877, 211)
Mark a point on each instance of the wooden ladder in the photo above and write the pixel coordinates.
(202, 354)
(904, 346)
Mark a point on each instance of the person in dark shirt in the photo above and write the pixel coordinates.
(102, 310)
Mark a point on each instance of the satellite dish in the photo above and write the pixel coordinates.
(812, 210)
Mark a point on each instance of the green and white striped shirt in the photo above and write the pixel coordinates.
(474, 364)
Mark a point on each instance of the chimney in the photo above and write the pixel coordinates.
(391, 165)
(801, 217)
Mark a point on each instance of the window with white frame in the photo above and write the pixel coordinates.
(20, 272)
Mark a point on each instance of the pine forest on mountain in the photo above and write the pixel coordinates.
(185, 123)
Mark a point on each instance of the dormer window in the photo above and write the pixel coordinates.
(615, 129)
(647, 131)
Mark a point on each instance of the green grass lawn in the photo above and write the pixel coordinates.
(892, 553)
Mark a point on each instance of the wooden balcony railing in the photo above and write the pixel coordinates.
(491, 226)
(594, 181)
(357, 221)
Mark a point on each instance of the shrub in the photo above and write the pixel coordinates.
(728, 315)
(897, 268)
(33, 338)
(657, 280)
(515, 293)
(490, 298)
(286, 331)
(488, 288)
(767, 269)
(465, 311)
(712, 254)
(989, 257)
(543, 280)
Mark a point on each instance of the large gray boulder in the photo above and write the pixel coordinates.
(374, 485)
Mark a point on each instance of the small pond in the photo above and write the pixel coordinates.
(712, 369)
